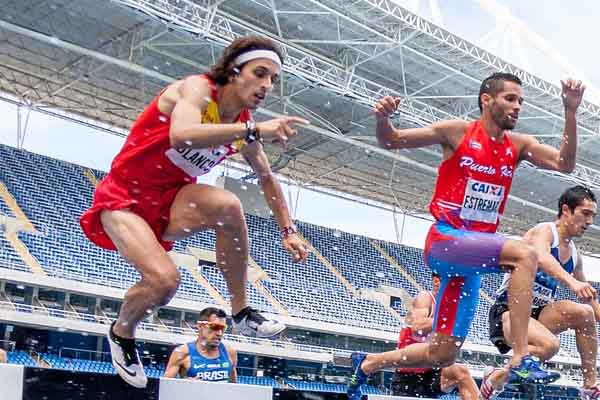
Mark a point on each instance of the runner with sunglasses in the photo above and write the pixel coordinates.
(207, 358)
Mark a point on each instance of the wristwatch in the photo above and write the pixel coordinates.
(252, 134)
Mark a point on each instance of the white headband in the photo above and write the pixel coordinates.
(254, 54)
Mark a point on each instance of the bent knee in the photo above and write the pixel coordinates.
(231, 205)
(525, 256)
(461, 373)
(164, 285)
(230, 210)
(528, 256)
(584, 315)
(550, 347)
(441, 359)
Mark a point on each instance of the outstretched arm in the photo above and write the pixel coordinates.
(540, 237)
(256, 157)
(187, 129)
(580, 276)
(548, 157)
(391, 138)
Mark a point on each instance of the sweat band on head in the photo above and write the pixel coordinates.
(254, 54)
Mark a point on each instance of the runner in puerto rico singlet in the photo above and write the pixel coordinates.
(469, 199)
(147, 173)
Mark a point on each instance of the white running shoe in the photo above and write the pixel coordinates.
(254, 324)
(126, 360)
(486, 390)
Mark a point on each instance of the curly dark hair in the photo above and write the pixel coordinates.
(223, 69)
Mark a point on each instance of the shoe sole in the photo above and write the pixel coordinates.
(120, 371)
(273, 334)
(254, 334)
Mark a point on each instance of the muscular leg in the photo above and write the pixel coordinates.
(521, 260)
(542, 342)
(564, 314)
(455, 307)
(457, 375)
(200, 207)
(441, 351)
(137, 243)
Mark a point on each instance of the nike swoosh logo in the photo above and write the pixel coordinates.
(522, 374)
(128, 372)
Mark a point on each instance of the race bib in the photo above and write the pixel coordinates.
(196, 162)
(541, 295)
(482, 201)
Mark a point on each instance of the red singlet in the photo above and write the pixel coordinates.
(472, 186)
(147, 173)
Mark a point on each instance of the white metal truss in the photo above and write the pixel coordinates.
(335, 77)
(221, 27)
(168, 79)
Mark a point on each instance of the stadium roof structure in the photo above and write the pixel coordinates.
(100, 62)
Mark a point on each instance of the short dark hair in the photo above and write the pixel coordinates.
(208, 311)
(435, 275)
(574, 196)
(223, 69)
(494, 84)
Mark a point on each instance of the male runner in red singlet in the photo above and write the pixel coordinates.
(150, 199)
(474, 179)
(429, 382)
